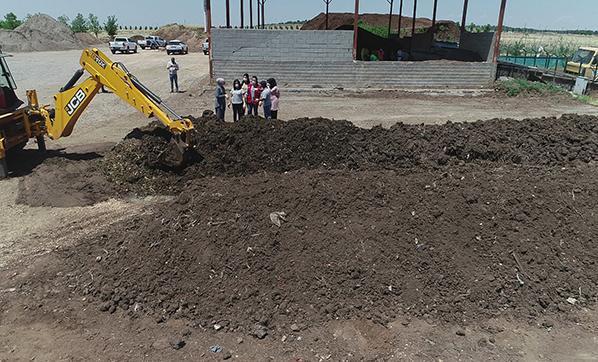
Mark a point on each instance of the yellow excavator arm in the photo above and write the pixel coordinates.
(73, 98)
(17, 126)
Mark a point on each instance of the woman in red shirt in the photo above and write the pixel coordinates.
(254, 92)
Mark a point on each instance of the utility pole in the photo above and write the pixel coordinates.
(327, 8)
(391, 2)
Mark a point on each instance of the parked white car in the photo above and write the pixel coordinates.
(123, 45)
(176, 47)
(152, 42)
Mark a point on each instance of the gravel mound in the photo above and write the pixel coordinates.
(39, 33)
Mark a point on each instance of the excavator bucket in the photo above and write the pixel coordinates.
(175, 155)
(179, 153)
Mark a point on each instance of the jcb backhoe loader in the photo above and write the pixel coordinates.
(18, 125)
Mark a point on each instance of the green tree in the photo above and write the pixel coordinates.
(111, 26)
(94, 24)
(10, 22)
(64, 20)
(79, 24)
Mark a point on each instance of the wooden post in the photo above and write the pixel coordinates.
(250, 14)
(355, 29)
(391, 2)
(501, 19)
(434, 13)
(242, 14)
(228, 13)
(400, 17)
(413, 25)
(464, 17)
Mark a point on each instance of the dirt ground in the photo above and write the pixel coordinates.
(52, 320)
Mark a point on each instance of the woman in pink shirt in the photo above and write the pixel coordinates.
(275, 96)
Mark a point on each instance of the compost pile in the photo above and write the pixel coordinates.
(255, 145)
(316, 220)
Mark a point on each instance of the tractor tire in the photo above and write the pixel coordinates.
(3, 169)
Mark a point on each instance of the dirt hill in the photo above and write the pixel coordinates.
(39, 33)
(344, 20)
(193, 36)
(455, 222)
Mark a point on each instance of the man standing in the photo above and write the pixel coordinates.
(173, 69)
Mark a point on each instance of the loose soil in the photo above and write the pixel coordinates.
(454, 245)
(456, 223)
(255, 145)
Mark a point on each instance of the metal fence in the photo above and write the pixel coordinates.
(544, 62)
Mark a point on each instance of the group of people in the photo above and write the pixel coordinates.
(247, 96)
(380, 55)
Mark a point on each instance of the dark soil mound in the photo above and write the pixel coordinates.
(447, 29)
(452, 245)
(255, 145)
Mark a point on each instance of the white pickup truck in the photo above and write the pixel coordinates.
(123, 45)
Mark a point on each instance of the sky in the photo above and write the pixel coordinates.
(551, 14)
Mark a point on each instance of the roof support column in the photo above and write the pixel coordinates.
(464, 17)
(242, 14)
(400, 17)
(413, 25)
(501, 18)
(228, 13)
(355, 29)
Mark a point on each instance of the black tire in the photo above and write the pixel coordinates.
(3, 169)
(167, 53)
(142, 47)
(113, 51)
(135, 51)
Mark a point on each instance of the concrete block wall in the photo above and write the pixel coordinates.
(324, 59)
(281, 45)
(389, 75)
